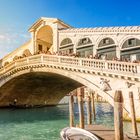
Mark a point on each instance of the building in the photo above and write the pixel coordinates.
(51, 35)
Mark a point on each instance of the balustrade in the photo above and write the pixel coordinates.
(50, 58)
(36, 59)
(69, 60)
(92, 64)
(21, 62)
(9, 66)
(122, 66)
(96, 64)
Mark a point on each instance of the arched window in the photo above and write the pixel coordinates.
(84, 47)
(131, 50)
(84, 41)
(44, 39)
(106, 41)
(131, 42)
(107, 49)
(66, 41)
(66, 47)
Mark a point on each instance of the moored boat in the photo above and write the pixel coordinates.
(72, 133)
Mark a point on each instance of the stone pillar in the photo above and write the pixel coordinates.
(80, 106)
(118, 115)
(74, 49)
(55, 38)
(74, 46)
(118, 52)
(95, 49)
(35, 41)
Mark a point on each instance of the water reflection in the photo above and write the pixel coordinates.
(31, 115)
(46, 123)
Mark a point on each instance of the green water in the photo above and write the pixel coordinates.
(45, 123)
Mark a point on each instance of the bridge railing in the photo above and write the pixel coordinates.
(21, 62)
(91, 64)
(115, 66)
(50, 58)
(123, 67)
(96, 64)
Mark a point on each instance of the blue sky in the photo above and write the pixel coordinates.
(16, 16)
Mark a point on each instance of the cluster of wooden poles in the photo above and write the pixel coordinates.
(118, 111)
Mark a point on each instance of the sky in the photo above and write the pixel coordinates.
(16, 16)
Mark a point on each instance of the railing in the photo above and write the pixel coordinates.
(84, 63)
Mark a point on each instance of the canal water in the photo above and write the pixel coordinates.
(46, 123)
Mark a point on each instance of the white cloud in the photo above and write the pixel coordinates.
(11, 40)
(2, 37)
(3, 53)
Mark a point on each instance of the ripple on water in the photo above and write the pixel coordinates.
(46, 123)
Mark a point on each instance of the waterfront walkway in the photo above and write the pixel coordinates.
(104, 133)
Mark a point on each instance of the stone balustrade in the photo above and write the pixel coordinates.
(113, 67)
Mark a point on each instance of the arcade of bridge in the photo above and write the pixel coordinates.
(47, 34)
(44, 39)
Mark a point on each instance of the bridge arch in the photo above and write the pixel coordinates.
(44, 39)
(71, 75)
(91, 81)
(36, 88)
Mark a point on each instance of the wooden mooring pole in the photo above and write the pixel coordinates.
(133, 116)
(89, 118)
(118, 115)
(80, 106)
(93, 106)
(71, 110)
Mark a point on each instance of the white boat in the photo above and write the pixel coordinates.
(72, 133)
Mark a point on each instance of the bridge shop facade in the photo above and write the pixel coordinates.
(51, 35)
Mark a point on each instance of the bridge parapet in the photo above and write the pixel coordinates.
(78, 64)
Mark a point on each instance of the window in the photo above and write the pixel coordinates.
(84, 41)
(106, 41)
(132, 42)
(66, 41)
(40, 47)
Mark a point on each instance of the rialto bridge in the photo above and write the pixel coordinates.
(35, 73)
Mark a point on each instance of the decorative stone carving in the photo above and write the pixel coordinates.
(31, 69)
(104, 84)
(128, 84)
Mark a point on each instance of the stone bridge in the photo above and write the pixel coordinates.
(45, 79)
(31, 76)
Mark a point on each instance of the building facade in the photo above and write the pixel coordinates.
(51, 35)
